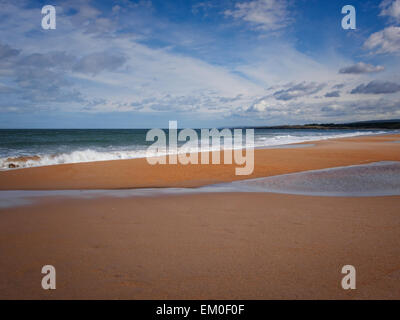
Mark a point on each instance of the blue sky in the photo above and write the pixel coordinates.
(139, 64)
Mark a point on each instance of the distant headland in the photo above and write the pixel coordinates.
(372, 124)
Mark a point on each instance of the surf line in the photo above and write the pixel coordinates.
(195, 148)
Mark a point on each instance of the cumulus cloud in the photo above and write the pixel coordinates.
(363, 109)
(187, 103)
(298, 90)
(41, 78)
(377, 87)
(385, 41)
(338, 111)
(391, 9)
(267, 15)
(264, 108)
(360, 68)
(332, 94)
(73, 70)
(37, 78)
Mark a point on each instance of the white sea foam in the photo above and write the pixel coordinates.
(366, 180)
(91, 155)
(291, 139)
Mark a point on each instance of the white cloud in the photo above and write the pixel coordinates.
(267, 15)
(326, 111)
(83, 69)
(391, 9)
(385, 41)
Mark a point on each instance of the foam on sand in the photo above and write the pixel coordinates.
(366, 180)
(374, 179)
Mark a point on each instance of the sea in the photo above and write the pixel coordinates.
(43, 147)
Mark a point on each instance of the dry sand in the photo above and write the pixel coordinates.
(202, 246)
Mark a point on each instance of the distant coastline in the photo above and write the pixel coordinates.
(362, 125)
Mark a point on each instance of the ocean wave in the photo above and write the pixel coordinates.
(290, 139)
(92, 155)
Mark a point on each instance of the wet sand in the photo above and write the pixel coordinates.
(205, 246)
(202, 246)
(137, 173)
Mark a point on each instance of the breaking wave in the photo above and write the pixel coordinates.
(91, 154)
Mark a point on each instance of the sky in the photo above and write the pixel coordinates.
(142, 63)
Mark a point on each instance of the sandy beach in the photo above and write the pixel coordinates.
(138, 173)
(202, 246)
(203, 150)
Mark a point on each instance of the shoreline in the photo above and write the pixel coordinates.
(377, 179)
(14, 162)
(137, 173)
(199, 246)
